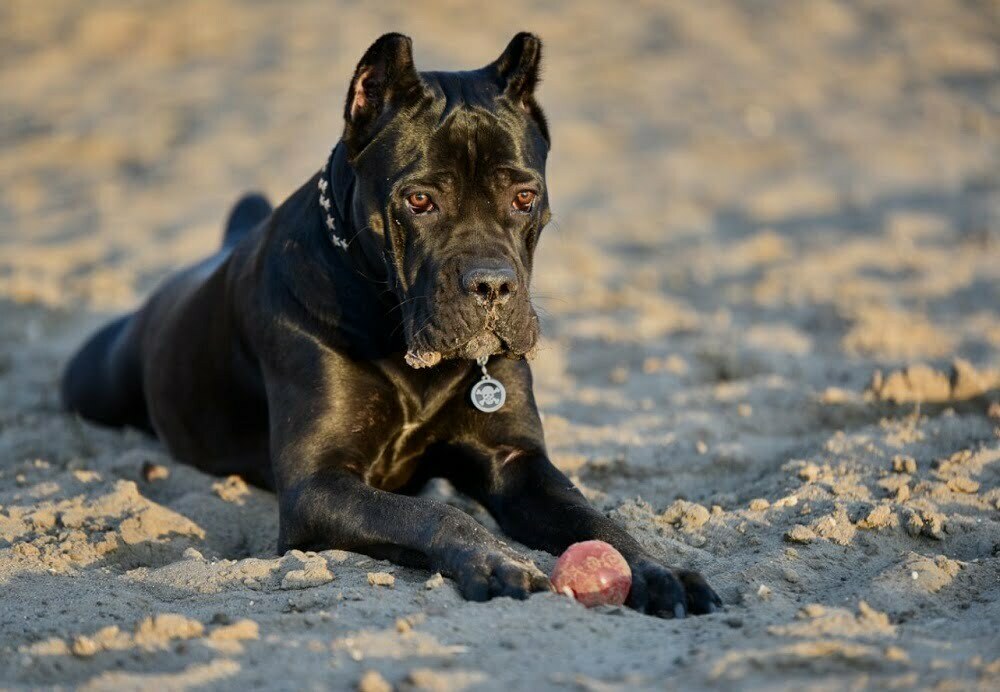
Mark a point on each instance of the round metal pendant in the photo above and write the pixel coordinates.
(488, 395)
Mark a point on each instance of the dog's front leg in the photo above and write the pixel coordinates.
(323, 437)
(536, 504)
(337, 509)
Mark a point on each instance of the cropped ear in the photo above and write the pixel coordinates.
(518, 71)
(384, 75)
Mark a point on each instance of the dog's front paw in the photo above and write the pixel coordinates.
(663, 592)
(491, 573)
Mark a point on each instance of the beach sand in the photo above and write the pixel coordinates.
(772, 343)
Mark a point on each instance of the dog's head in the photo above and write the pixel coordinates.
(450, 170)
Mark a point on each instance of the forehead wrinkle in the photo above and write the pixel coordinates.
(418, 137)
(475, 143)
(459, 90)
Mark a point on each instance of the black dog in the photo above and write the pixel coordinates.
(327, 351)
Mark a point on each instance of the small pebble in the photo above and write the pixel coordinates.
(154, 472)
(84, 647)
(812, 610)
(434, 582)
(994, 410)
(961, 484)
(904, 464)
(800, 534)
(809, 472)
(372, 681)
(895, 653)
(381, 579)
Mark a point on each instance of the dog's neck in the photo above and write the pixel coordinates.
(339, 276)
(338, 242)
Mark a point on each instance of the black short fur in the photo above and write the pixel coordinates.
(340, 378)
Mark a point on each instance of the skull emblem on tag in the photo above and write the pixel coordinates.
(488, 395)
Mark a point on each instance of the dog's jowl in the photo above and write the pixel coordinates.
(328, 350)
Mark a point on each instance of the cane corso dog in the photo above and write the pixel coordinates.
(334, 348)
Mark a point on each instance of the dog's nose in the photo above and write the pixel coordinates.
(490, 285)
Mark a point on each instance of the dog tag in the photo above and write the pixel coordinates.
(488, 395)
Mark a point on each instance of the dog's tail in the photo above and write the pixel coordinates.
(252, 208)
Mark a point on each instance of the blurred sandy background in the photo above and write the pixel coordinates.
(770, 294)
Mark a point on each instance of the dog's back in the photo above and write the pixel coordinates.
(103, 381)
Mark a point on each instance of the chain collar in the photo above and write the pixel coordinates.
(324, 183)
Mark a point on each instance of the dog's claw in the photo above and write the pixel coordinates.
(670, 594)
(497, 574)
(701, 598)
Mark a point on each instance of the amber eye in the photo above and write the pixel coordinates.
(523, 200)
(420, 202)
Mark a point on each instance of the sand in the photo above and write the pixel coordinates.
(770, 299)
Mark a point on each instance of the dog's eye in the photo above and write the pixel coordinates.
(420, 202)
(524, 200)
